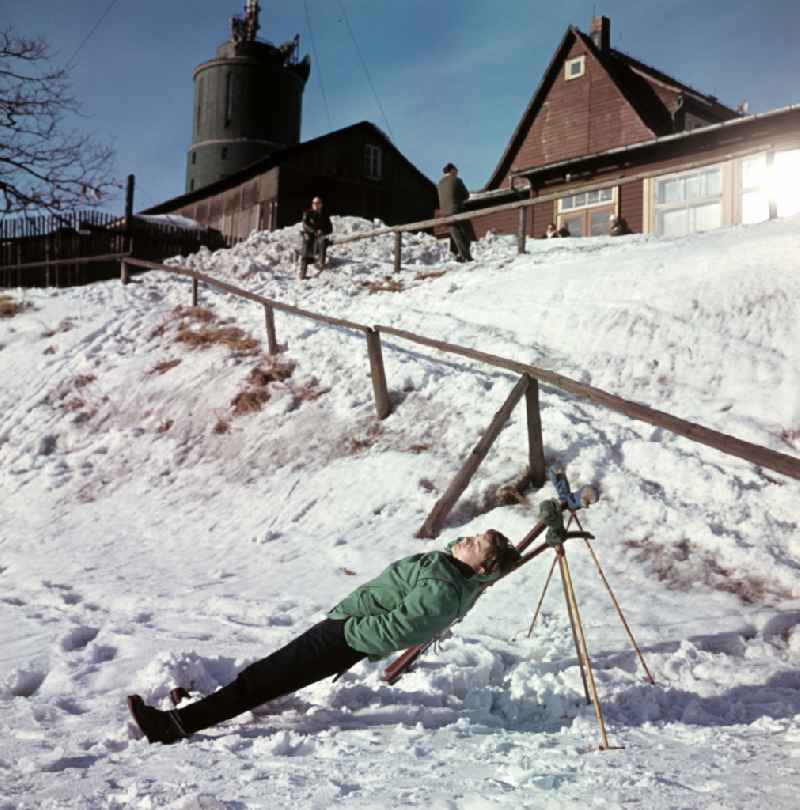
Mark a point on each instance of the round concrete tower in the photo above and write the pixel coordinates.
(248, 102)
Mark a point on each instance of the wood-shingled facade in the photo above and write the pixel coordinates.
(356, 170)
(600, 115)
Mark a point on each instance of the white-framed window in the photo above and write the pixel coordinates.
(586, 199)
(755, 189)
(573, 68)
(689, 202)
(785, 174)
(373, 162)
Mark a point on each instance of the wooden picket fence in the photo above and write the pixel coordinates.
(78, 247)
(527, 385)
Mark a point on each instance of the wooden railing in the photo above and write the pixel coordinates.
(528, 385)
(521, 206)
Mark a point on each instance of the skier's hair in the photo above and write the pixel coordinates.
(448, 167)
(502, 556)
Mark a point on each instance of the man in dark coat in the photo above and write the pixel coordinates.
(316, 228)
(452, 196)
(415, 599)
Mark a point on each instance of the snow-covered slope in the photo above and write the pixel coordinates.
(152, 532)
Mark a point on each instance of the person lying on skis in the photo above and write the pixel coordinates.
(413, 600)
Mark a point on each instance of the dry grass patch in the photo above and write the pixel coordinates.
(9, 307)
(271, 370)
(250, 401)
(419, 448)
(683, 566)
(359, 443)
(164, 366)
(222, 426)
(201, 314)
(425, 274)
(74, 404)
(387, 284)
(49, 350)
(165, 426)
(82, 380)
(231, 336)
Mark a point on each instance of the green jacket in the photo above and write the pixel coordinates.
(409, 603)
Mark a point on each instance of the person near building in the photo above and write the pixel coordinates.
(452, 196)
(617, 226)
(317, 227)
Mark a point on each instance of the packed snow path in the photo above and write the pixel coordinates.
(149, 536)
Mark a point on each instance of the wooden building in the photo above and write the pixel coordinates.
(356, 170)
(605, 134)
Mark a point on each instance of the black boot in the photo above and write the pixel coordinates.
(157, 726)
(217, 707)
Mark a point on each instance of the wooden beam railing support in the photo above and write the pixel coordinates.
(383, 404)
(432, 524)
(194, 292)
(269, 322)
(398, 250)
(522, 229)
(536, 466)
(124, 275)
(725, 443)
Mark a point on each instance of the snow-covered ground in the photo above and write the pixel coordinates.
(149, 536)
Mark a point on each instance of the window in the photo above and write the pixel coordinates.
(224, 152)
(573, 68)
(191, 185)
(585, 199)
(200, 85)
(194, 158)
(688, 203)
(373, 162)
(587, 213)
(228, 98)
(786, 174)
(755, 194)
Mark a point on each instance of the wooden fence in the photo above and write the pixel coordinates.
(527, 385)
(77, 247)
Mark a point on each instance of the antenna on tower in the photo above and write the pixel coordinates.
(245, 29)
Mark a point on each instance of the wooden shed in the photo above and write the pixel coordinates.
(356, 170)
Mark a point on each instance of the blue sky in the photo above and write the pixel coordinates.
(453, 76)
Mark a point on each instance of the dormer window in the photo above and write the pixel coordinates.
(574, 68)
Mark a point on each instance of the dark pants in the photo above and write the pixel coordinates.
(315, 249)
(316, 654)
(460, 235)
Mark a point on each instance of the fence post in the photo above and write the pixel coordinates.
(432, 524)
(383, 404)
(398, 247)
(194, 292)
(47, 264)
(522, 228)
(536, 469)
(123, 272)
(269, 321)
(19, 263)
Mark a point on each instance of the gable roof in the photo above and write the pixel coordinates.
(636, 83)
(276, 159)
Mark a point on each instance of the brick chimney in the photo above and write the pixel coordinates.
(601, 32)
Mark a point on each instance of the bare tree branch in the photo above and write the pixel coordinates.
(43, 163)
